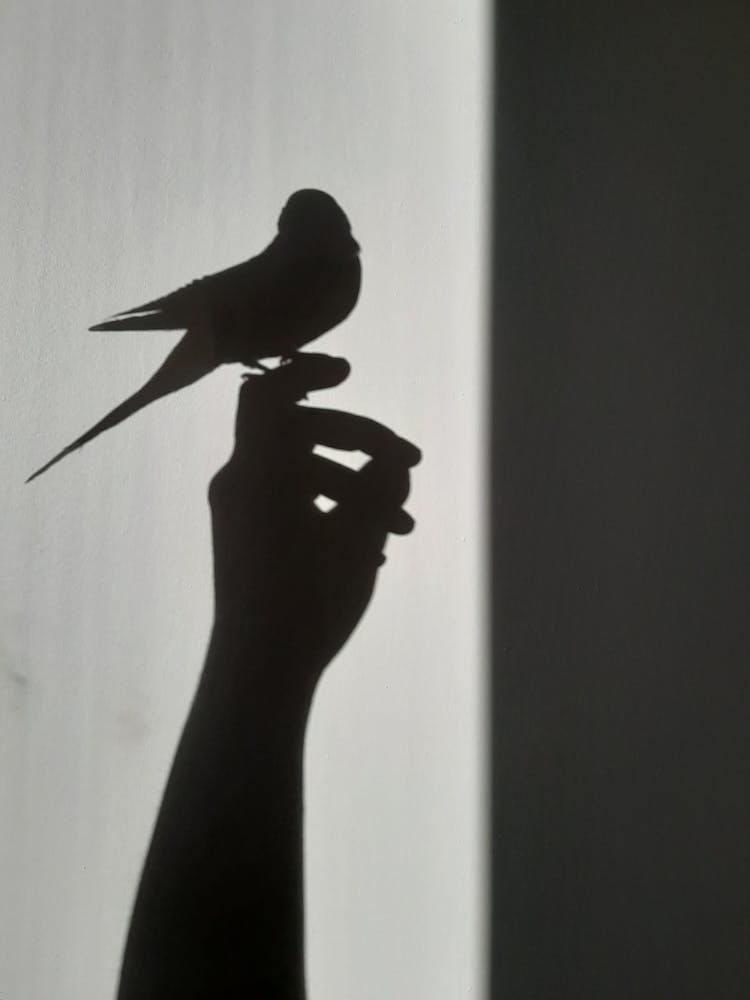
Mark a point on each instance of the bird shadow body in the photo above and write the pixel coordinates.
(305, 282)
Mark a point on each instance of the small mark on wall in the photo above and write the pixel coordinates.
(130, 726)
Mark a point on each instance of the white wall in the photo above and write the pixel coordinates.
(145, 143)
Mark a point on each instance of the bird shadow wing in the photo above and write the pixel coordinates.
(188, 305)
(175, 311)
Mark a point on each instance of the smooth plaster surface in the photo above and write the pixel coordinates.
(146, 144)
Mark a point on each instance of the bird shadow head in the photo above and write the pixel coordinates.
(314, 219)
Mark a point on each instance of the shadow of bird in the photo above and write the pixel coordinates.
(305, 282)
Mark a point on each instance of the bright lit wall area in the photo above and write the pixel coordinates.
(146, 144)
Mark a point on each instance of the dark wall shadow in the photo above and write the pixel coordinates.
(621, 491)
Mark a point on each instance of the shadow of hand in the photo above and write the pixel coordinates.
(289, 578)
(219, 911)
